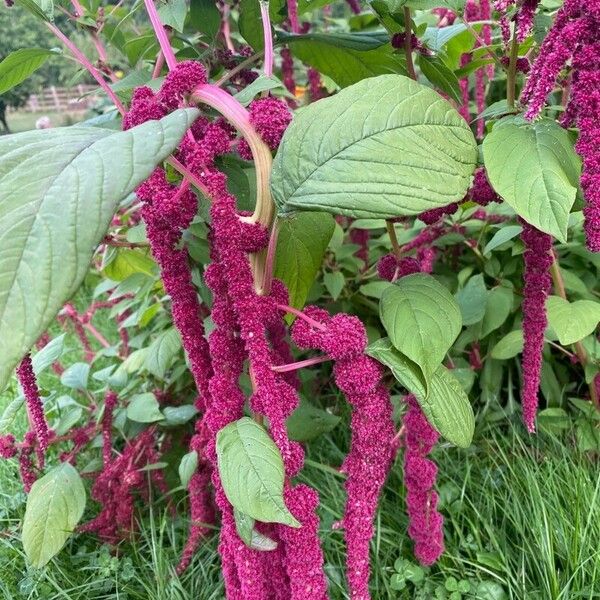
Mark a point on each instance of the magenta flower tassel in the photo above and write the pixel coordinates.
(425, 522)
(35, 408)
(537, 285)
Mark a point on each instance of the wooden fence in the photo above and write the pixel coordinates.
(55, 99)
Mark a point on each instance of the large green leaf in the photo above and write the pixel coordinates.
(445, 405)
(422, 320)
(19, 65)
(572, 321)
(55, 207)
(301, 243)
(54, 506)
(173, 13)
(384, 147)
(533, 166)
(345, 57)
(252, 473)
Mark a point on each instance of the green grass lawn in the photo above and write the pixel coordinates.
(24, 121)
(522, 522)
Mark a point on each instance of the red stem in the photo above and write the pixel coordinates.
(161, 34)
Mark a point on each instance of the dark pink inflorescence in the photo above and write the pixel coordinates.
(575, 37)
(390, 268)
(481, 190)
(425, 522)
(537, 285)
(8, 448)
(270, 118)
(344, 339)
(429, 217)
(35, 408)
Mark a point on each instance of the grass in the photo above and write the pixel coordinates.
(24, 121)
(522, 522)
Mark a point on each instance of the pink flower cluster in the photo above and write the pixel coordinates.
(537, 285)
(390, 268)
(343, 338)
(426, 523)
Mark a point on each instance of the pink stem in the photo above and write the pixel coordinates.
(225, 30)
(268, 37)
(103, 341)
(300, 364)
(158, 65)
(301, 315)
(80, 57)
(270, 260)
(188, 175)
(161, 34)
(78, 8)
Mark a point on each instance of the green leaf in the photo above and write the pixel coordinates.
(55, 208)
(572, 321)
(411, 154)
(54, 507)
(446, 405)
(19, 65)
(187, 467)
(533, 166)
(472, 300)
(67, 420)
(127, 261)
(435, 69)
(172, 13)
(308, 422)
(250, 23)
(334, 283)
(205, 17)
(42, 9)
(346, 58)
(10, 414)
(261, 84)
(374, 289)
(301, 244)
(498, 307)
(144, 408)
(244, 526)
(509, 346)
(49, 354)
(76, 376)
(179, 415)
(162, 351)
(502, 236)
(421, 318)
(251, 471)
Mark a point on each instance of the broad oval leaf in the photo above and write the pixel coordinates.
(533, 166)
(55, 207)
(421, 318)
(509, 346)
(252, 473)
(54, 507)
(446, 404)
(308, 422)
(299, 256)
(384, 147)
(162, 351)
(472, 300)
(187, 467)
(572, 321)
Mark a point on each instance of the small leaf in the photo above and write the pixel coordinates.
(261, 84)
(503, 235)
(144, 408)
(10, 414)
(261, 542)
(533, 166)
(301, 244)
(172, 13)
(374, 289)
(244, 526)
(308, 422)
(205, 18)
(162, 352)
(421, 318)
(472, 300)
(76, 376)
(54, 507)
(55, 208)
(445, 404)
(127, 261)
(187, 467)
(48, 355)
(440, 76)
(179, 415)
(334, 283)
(509, 346)
(572, 321)
(19, 65)
(498, 307)
(414, 153)
(251, 471)
(67, 420)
